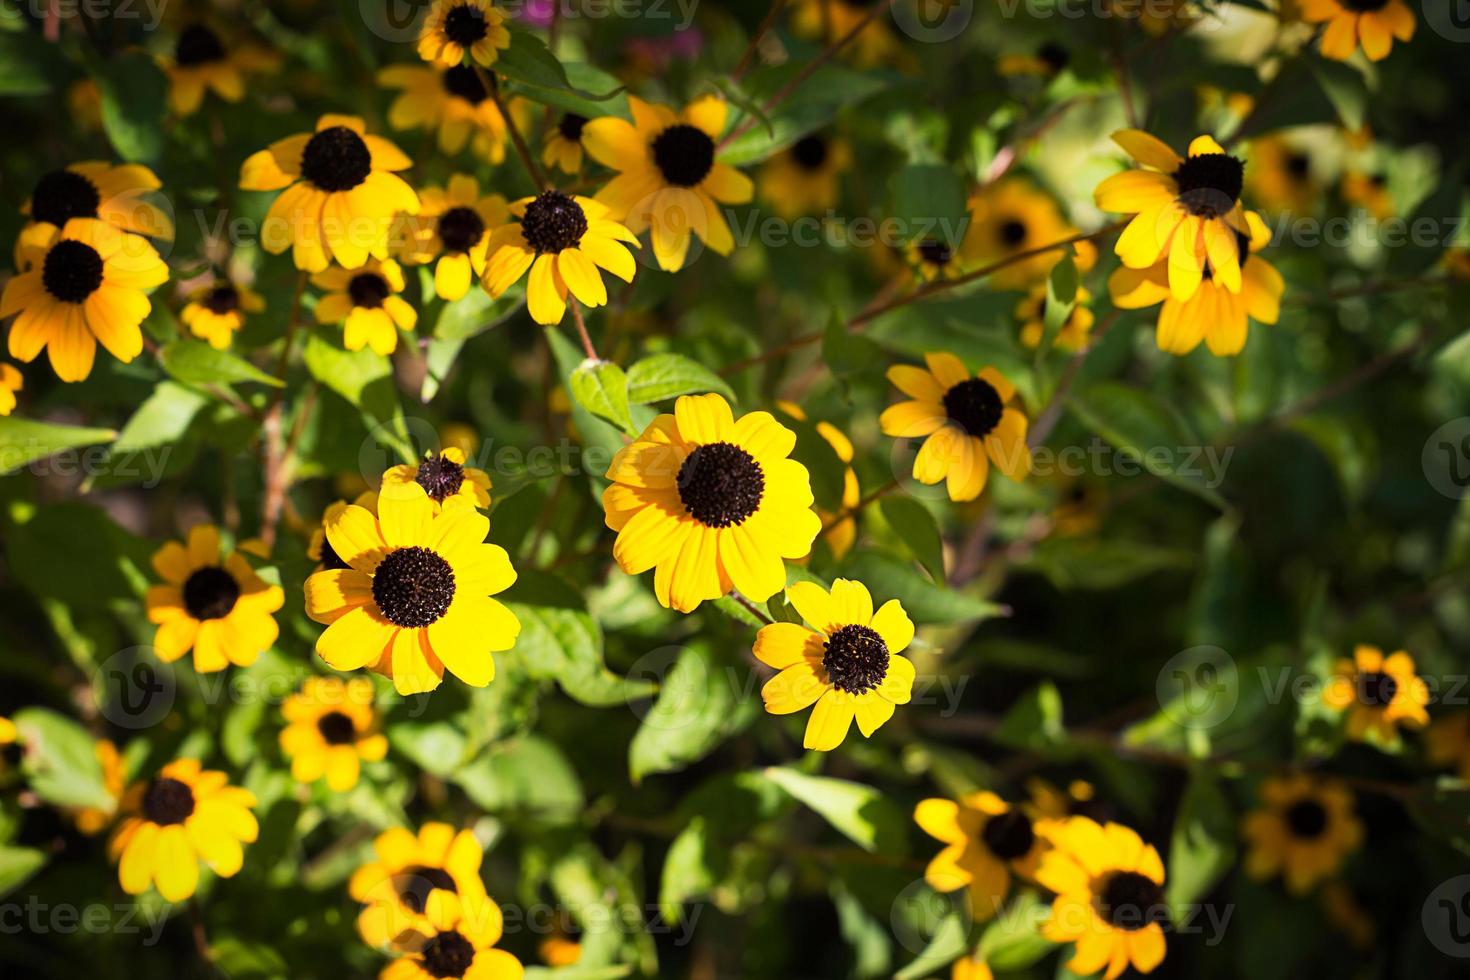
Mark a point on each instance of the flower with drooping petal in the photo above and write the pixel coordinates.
(1371, 24)
(367, 303)
(988, 842)
(412, 877)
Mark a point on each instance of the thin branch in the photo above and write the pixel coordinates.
(861, 505)
(587, 346)
(522, 150)
(743, 65)
(754, 610)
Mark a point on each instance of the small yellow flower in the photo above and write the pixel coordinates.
(1280, 178)
(844, 664)
(11, 381)
(1303, 831)
(1382, 693)
(1368, 191)
(184, 816)
(444, 476)
(331, 731)
(449, 943)
(456, 28)
(1074, 331)
(563, 146)
(805, 178)
(989, 841)
(366, 302)
(965, 422)
(1371, 23)
(211, 602)
(216, 312)
(454, 227)
(935, 258)
(452, 101)
(434, 873)
(1448, 743)
(202, 60)
(1010, 217)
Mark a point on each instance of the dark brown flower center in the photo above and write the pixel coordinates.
(413, 587)
(210, 593)
(721, 484)
(1053, 55)
(1378, 689)
(1364, 6)
(975, 406)
(464, 25)
(330, 559)
(1008, 835)
(1242, 250)
(198, 45)
(460, 229)
(62, 195)
(222, 299)
(935, 252)
(368, 290)
(1298, 166)
(1210, 184)
(571, 126)
(1012, 233)
(336, 159)
(414, 884)
(464, 81)
(809, 152)
(684, 154)
(168, 801)
(448, 954)
(553, 222)
(336, 728)
(1306, 819)
(1130, 900)
(72, 271)
(856, 659)
(440, 476)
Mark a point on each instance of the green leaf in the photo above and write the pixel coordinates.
(945, 946)
(669, 375)
(23, 441)
(916, 527)
(888, 577)
(845, 352)
(1094, 563)
(134, 91)
(162, 419)
(929, 198)
(1345, 89)
(528, 776)
(60, 762)
(17, 865)
(827, 470)
(602, 388)
(45, 552)
(698, 707)
(476, 312)
(28, 66)
(863, 814)
(810, 106)
(1438, 212)
(1035, 721)
(1202, 846)
(195, 362)
(530, 61)
(590, 92)
(365, 379)
(1013, 941)
(1061, 299)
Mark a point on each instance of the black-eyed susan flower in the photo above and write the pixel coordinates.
(449, 944)
(1186, 210)
(216, 312)
(1371, 24)
(988, 841)
(212, 602)
(1215, 314)
(1280, 177)
(450, 101)
(1369, 191)
(563, 241)
(339, 193)
(845, 664)
(83, 285)
(935, 258)
(202, 60)
(331, 730)
(838, 530)
(710, 503)
(1379, 693)
(452, 230)
(563, 145)
(118, 195)
(1012, 216)
(1303, 830)
(91, 820)
(415, 597)
(455, 29)
(436, 871)
(1074, 331)
(11, 381)
(670, 179)
(366, 302)
(184, 816)
(1109, 889)
(1448, 743)
(966, 424)
(444, 476)
(805, 178)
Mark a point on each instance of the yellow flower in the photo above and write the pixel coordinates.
(366, 302)
(1280, 176)
(340, 193)
(455, 226)
(1187, 210)
(1369, 192)
(1303, 831)
(841, 533)
(935, 258)
(90, 820)
(805, 178)
(563, 146)
(711, 503)
(832, 20)
(1109, 889)
(455, 28)
(1448, 743)
(1053, 806)
(434, 873)
(217, 311)
(444, 476)
(669, 178)
(83, 284)
(563, 241)
(967, 422)
(116, 195)
(331, 730)
(11, 381)
(1074, 331)
(452, 100)
(449, 944)
(1383, 692)
(201, 60)
(844, 664)
(9, 734)
(1373, 23)
(1218, 316)
(988, 841)
(970, 968)
(490, 140)
(1012, 216)
(181, 818)
(215, 605)
(559, 949)
(318, 548)
(415, 598)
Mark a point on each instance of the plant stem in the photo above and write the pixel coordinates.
(587, 346)
(743, 65)
(522, 150)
